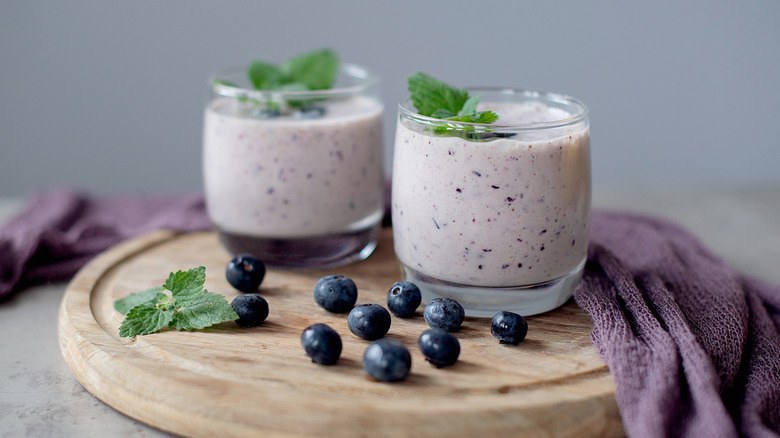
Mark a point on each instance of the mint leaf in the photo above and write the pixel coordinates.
(147, 318)
(123, 305)
(470, 106)
(201, 309)
(480, 117)
(188, 307)
(317, 70)
(442, 113)
(430, 94)
(186, 282)
(264, 75)
(292, 86)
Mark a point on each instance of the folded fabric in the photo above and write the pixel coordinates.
(694, 348)
(57, 232)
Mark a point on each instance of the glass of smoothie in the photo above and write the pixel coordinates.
(494, 215)
(295, 177)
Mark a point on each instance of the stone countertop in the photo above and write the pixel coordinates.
(40, 397)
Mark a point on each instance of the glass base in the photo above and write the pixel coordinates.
(310, 252)
(483, 301)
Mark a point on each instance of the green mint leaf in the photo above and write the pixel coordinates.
(317, 69)
(291, 86)
(186, 282)
(147, 318)
(470, 106)
(264, 75)
(452, 125)
(197, 310)
(123, 305)
(442, 114)
(188, 307)
(430, 94)
(480, 117)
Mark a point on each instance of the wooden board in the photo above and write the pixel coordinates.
(232, 381)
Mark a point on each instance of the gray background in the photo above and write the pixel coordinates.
(107, 96)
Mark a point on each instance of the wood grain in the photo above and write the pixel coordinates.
(233, 381)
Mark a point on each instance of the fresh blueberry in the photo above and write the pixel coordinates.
(321, 343)
(403, 299)
(488, 135)
(369, 321)
(264, 113)
(252, 309)
(444, 313)
(508, 327)
(387, 360)
(245, 272)
(439, 347)
(335, 293)
(309, 112)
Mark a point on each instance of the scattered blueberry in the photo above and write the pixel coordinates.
(387, 360)
(369, 321)
(252, 309)
(310, 112)
(403, 299)
(439, 347)
(321, 343)
(444, 313)
(335, 293)
(245, 272)
(508, 327)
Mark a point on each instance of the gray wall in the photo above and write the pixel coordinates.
(107, 95)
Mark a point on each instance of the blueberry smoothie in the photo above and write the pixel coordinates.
(298, 188)
(497, 220)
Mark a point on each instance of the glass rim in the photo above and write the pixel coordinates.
(366, 77)
(407, 109)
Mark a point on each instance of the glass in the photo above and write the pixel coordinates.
(295, 178)
(496, 215)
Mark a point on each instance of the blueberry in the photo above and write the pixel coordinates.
(508, 327)
(444, 313)
(387, 360)
(245, 272)
(369, 321)
(488, 135)
(439, 347)
(321, 343)
(403, 299)
(252, 309)
(309, 112)
(335, 293)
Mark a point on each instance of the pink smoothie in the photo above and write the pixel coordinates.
(500, 212)
(286, 177)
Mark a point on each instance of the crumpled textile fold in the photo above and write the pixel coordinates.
(693, 347)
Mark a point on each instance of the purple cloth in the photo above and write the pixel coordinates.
(59, 231)
(694, 348)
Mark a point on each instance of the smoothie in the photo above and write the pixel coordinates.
(298, 177)
(506, 211)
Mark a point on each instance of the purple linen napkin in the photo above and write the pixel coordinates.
(693, 347)
(59, 231)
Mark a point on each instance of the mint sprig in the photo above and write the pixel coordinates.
(188, 307)
(433, 98)
(309, 71)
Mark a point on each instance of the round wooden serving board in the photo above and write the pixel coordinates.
(231, 381)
